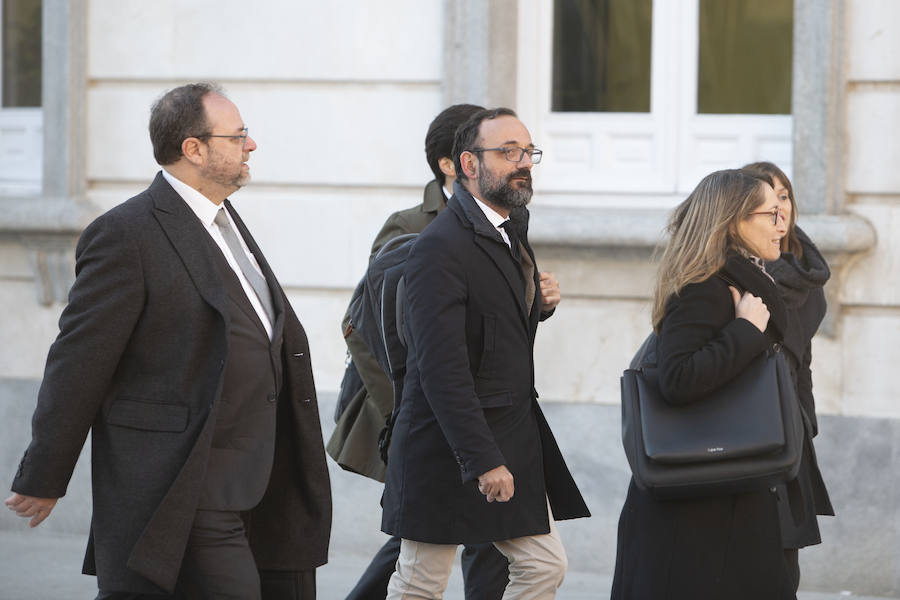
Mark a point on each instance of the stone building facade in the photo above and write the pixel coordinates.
(338, 97)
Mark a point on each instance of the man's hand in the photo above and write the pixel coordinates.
(549, 291)
(497, 484)
(29, 506)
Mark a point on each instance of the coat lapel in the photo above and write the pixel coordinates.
(749, 277)
(488, 239)
(535, 315)
(183, 229)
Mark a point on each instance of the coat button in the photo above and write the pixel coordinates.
(272, 397)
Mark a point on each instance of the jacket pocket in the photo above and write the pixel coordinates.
(148, 416)
(488, 343)
(496, 400)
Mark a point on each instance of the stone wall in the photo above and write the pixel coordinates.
(340, 122)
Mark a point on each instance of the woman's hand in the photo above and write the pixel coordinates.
(751, 308)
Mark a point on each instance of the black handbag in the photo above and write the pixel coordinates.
(745, 436)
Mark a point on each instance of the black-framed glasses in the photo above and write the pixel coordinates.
(775, 213)
(516, 154)
(242, 136)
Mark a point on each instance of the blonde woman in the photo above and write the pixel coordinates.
(726, 546)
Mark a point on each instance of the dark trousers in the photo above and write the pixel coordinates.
(218, 564)
(485, 572)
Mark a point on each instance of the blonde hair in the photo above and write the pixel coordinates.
(703, 230)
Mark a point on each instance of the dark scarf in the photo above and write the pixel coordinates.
(795, 276)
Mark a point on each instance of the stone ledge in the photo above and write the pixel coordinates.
(37, 214)
(644, 229)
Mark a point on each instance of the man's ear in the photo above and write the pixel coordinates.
(193, 150)
(467, 161)
(447, 167)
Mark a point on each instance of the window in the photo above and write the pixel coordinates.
(634, 101)
(745, 53)
(20, 96)
(601, 55)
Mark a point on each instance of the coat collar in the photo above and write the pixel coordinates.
(433, 199)
(489, 240)
(183, 229)
(475, 216)
(750, 278)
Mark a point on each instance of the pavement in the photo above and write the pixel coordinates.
(45, 565)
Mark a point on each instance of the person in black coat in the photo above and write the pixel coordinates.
(208, 467)
(725, 546)
(354, 443)
(800, 274)
(472, 458)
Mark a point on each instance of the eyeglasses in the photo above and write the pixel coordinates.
(242, 137)
(516, 154)
(775, 213)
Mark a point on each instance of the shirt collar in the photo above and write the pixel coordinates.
(495, 218)
(202, 206)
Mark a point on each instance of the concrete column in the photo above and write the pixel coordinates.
(481, 50)
(818, 105)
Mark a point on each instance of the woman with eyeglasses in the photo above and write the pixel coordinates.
(800, 274)
(727, 545)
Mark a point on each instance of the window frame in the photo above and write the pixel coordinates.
(638, 159)
(21, 143)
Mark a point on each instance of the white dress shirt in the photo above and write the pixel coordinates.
(206, 211)
(495, 218)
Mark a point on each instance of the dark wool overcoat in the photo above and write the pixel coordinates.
(469, 403)
(718, 547)
(800, 282)
(139, 362)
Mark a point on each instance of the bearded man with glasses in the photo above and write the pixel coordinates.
(472, 458)
(181, 355)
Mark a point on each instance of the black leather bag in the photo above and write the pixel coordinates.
(745, 436)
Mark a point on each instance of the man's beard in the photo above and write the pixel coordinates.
(501, 192)
(221, 172)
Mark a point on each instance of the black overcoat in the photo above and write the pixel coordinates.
(800, 281)
(469, 403)
(718, 547)
(147, 322)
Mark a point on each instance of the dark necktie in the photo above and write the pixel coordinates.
(514, 245)
(256, 281)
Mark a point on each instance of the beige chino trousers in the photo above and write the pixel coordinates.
(537, 567)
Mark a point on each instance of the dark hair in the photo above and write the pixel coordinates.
(767, 171)
(466, 136)
(439, 139)
(176, 116)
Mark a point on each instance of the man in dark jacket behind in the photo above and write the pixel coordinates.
(179, 351)
(472, 458)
